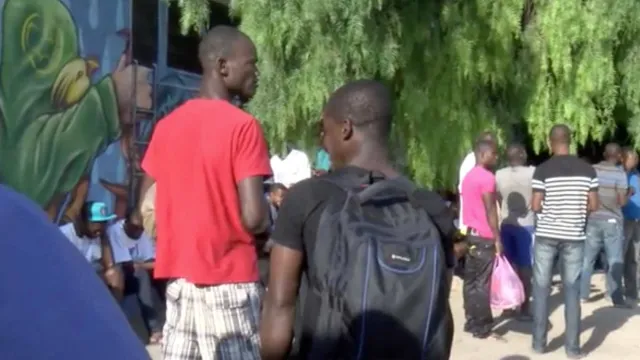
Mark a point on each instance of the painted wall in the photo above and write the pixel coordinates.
(66, 101)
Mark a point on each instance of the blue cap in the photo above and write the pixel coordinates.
(99, 213)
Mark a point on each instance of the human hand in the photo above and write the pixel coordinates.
(499, 248)
(113, 277)
(460, 249)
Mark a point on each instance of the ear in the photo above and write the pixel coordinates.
(222, 66)
(347, 129)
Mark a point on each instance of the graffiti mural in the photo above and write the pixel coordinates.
(72, 103)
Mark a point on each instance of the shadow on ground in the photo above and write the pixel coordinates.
(603, 321)
(505, 325)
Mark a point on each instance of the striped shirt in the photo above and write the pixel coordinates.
(565, 181)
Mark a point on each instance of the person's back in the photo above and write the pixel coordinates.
(200, 234)
(328, 232)
(514, 185)
(53, 305)
(564, 191)
(567, 181)
(605, 228)
(612, 182)
(478, 181)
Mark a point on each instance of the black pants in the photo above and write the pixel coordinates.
(477, 279)
(140, 299)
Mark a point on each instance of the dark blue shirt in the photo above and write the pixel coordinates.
(53, 306)
(631, 210)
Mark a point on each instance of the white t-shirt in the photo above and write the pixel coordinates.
(293, 168)
(468, 163)
(90, 247)
(139, 250)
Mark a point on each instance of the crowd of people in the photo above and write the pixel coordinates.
(353, 261)
(563, 212)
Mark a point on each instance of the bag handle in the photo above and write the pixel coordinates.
(399, 182)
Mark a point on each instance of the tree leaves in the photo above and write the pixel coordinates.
(457, 67)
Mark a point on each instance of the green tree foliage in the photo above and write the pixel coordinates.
(457, 67)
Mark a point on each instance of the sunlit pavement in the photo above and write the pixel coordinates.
(607, 333)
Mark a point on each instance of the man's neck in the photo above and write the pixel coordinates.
(214, 89)
(374, 162)
(610, 162)
(561, 151)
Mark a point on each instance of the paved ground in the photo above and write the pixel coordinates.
(608, 334)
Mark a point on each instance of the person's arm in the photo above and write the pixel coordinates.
(148, 211)
(442, 218)
(491, 209)
(107, 254)
(278, 312)
(113, 276)
(537, 190)
(250, 168)
(146, 265)
(146, 183)
(253, 207)
(488, 190)
(593, 202)
(148, 253)
(499, 197)
(622, 189)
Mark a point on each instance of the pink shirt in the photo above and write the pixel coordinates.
(477, 182)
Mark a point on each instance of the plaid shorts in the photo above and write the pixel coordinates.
(211, 322)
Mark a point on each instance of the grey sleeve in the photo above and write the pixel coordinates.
(621, 182)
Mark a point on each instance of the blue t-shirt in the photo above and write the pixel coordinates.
(631, 210)
(53, 305)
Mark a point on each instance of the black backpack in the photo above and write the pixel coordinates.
(378, 276)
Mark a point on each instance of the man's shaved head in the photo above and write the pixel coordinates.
(516, 155)
(560, 134)
(486, 153)
(612, 152)
(612, 148)
(367, 104)
(482, 146)
(229, 64)
(218, 43)
(486, 136)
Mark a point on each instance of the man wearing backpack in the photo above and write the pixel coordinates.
(374, 250)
